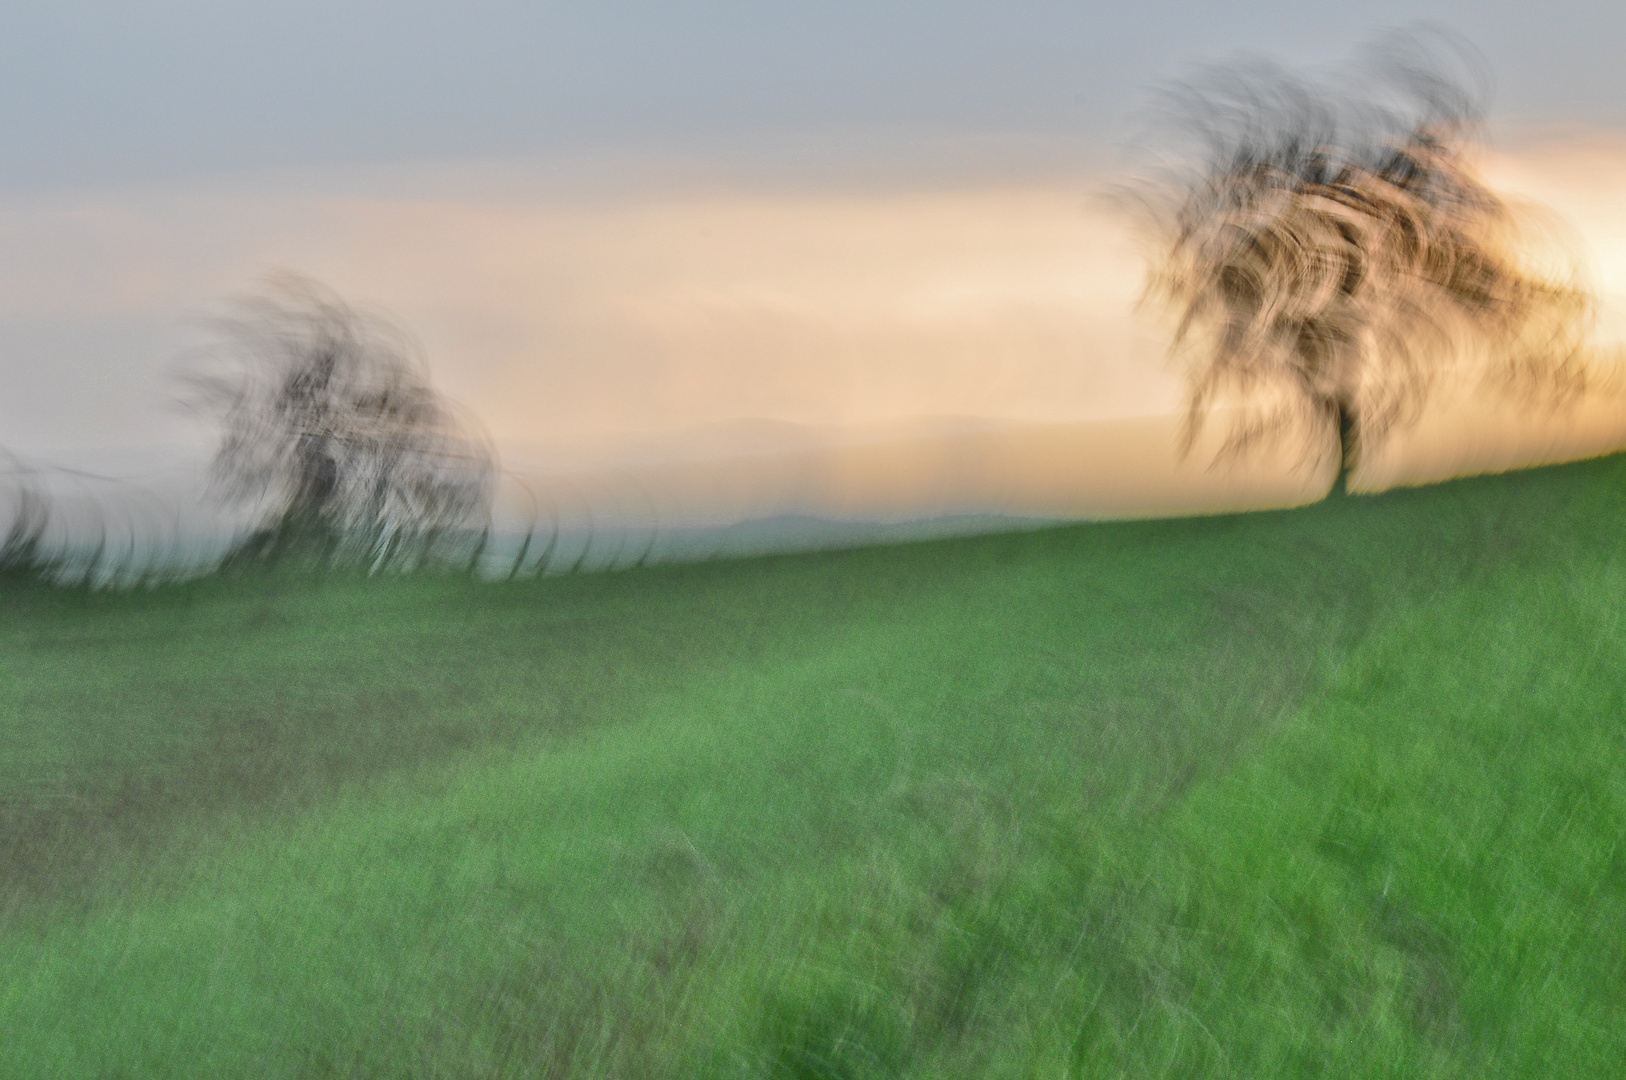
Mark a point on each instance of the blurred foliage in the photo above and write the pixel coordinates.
(334, 437)
(22, 549)
(1332, 255)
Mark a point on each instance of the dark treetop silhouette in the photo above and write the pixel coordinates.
(1333, 256)
(333, 436)
(22, 553)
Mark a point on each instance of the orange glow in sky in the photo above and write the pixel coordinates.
(568, 322)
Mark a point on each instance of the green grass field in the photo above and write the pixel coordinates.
(1338, 791)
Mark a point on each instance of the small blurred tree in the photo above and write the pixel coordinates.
(333, 437)
(23, 555)
(1331, 258)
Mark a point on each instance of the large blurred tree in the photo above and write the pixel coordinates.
(1332, 256)
(333, 437)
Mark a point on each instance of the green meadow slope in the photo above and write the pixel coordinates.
(1338, 791)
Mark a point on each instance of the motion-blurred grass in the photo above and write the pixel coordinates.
(1338, 791)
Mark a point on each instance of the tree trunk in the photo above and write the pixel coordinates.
(1348, 434)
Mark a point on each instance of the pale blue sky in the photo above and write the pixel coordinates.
(113, 91)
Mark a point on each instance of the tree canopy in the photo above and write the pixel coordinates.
(1332, 254)
(333, 437)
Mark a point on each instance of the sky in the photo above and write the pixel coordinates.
(614, 223)
(109, 92)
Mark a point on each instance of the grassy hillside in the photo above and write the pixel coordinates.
(1338, 791)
